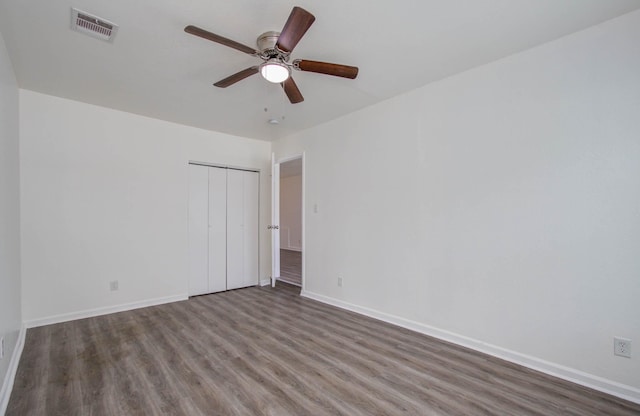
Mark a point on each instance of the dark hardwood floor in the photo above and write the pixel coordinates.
(291, 266)
(264, 351)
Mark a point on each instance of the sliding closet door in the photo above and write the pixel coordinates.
(251, 227)
(198, 233)
(242, 229)
(217, 270)
(223, 229)
(235, 232)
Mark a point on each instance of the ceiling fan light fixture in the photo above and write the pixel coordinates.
(275, 71)
(274, 49)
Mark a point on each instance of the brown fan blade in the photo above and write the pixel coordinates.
(297, 25)
(193, 30)
(292, 91)
(238, 76)
(327, 68)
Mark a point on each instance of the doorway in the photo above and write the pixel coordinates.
(290, 221)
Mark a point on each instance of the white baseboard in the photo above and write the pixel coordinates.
(298, 249)
(9, 378)
(265, 282)
(65, 317)
(287, 281)
(566, 373)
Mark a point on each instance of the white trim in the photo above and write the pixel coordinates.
(102, 311)
(265, 282)
(275, 219)
(566, 373)
(215, 165)
(304, 221)
(9, 378)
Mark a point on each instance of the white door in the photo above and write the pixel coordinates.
(235, 229)
(217, 254)
(275, 219)
(223, 229)
(198, 233)
(251, 228)
(242, 229)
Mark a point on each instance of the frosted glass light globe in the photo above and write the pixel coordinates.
(274, 71)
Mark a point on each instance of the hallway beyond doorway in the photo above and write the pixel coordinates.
(291, 266)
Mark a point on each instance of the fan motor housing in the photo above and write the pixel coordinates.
(267, 43)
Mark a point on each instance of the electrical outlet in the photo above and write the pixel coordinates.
(622, 347)
(339, 281)
(113, 285)
(1, 348)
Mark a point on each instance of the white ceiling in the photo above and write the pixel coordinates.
(155, 69)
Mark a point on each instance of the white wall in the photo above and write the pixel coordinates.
(10, 313)
(499, 206)
(291, 212)
(104, 197)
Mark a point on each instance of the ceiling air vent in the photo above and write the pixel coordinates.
(93, 26)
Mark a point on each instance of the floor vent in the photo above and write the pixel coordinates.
(93, 26)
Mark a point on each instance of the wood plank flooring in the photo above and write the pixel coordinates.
(291, 266)
(264, 351)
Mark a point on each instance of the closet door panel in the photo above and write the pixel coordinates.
(235, 229)
(251, 227)
(217, 273)
(198, 220)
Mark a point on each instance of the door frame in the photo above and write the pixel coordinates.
(275, 193)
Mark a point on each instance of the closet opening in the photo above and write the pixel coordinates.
(223, 228)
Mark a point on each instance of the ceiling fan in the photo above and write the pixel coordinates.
(274, 48)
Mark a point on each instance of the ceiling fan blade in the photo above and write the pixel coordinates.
(337, 70)
(238, 76)
(297, 25)
(193, 30)
(292, 91)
